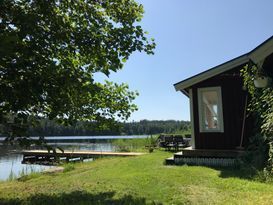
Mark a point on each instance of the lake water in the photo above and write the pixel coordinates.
(10, 157)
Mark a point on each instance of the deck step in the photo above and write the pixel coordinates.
(206, 157)
(205, 161)
(188, 152)
(169, 161)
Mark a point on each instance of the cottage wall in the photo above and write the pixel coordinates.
(233, 105)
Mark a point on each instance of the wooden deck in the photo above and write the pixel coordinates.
(39, 156)
(190, 152)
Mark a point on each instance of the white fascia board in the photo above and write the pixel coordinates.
(261, 52)
(212, 72)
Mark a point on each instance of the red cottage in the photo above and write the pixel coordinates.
(218, 103)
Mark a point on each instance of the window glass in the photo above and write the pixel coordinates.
(210, 109)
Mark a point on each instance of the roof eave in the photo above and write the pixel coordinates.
(211, 72)
(257, 55)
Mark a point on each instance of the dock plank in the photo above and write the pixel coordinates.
(68, 153)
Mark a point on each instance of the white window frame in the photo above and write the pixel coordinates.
(219, 109)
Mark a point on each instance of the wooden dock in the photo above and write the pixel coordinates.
(40, 156)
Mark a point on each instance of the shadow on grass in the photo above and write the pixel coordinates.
(76, 197)
(242, 173)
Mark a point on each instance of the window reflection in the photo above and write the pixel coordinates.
(210, 109)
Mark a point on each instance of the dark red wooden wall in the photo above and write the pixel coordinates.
(233, 99)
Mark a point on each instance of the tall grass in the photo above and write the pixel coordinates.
(68, 167)
(12, 176)
(25, 173)
(138, 144)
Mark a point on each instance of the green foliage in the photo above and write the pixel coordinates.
(129, 145)
(12, 176)
(49, 53)
(123, 146)
(261, 105)
(143, 127)
(151, 143)
(155, 127)
(68, 167)
(256, 152)
(25, 174)
(152, 140)
(137, 144)
(29, 176)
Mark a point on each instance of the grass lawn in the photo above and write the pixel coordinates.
(136, 180)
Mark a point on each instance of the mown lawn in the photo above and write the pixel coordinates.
(137, 180)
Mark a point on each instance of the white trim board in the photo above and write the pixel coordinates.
(212, 72)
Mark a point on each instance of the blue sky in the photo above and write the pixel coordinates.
(191, 36)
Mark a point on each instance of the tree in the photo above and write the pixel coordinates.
(49, 53)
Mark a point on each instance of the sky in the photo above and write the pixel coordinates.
(191, 36)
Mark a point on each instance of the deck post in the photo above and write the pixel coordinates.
(192, 120)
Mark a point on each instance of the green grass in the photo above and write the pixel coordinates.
(137, 180)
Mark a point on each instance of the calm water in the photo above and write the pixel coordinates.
(10, 165)
(86, 138)
(10, 161)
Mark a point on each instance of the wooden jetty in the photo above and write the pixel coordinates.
(40, 156)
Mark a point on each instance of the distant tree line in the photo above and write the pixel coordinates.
(155, 127)
(51, 128)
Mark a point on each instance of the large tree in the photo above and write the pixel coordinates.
(50, 51)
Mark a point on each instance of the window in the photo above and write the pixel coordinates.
(210, 109)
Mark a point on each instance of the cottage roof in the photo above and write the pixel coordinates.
(257, 55)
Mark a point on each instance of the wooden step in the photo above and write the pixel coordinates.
(169, 161)
(201, 161)
(209, 153)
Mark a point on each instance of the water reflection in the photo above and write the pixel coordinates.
(11, 167)
(98, 146)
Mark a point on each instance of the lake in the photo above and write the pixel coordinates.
(10, 157)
